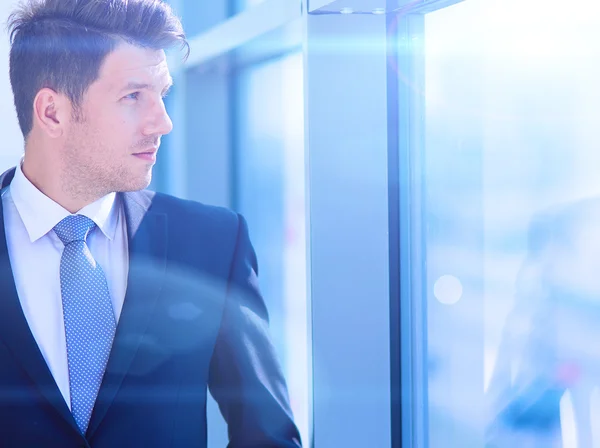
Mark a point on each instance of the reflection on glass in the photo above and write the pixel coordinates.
(241, 5)
(270, 194)
(512, 163)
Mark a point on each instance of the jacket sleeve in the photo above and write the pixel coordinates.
(245, 377)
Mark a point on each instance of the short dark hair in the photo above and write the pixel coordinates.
(61, 44)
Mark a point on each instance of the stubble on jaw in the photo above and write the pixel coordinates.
(86, 178)
(87, 181)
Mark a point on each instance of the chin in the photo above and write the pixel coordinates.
(136, 185)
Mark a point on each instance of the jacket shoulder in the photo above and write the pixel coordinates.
(186, 215)
(173, 205)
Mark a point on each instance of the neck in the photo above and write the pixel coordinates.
(49, 178)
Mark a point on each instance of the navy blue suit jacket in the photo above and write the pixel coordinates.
(193, 317)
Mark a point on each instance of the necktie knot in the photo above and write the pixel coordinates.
(74, 228)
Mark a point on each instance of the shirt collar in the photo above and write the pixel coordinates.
(40, 214)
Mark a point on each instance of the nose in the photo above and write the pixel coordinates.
(159, 122)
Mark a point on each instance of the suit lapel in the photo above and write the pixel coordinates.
(16, 335)
(147, 235)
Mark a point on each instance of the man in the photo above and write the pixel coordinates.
(119, 306)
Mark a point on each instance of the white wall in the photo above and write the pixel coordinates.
(11, 140)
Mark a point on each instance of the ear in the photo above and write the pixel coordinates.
(51, 112)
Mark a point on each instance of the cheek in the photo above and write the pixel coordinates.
(118, 133)
(127, 124)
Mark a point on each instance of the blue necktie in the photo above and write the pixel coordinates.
(88, 313)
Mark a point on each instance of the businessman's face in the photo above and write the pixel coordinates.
(112, 143)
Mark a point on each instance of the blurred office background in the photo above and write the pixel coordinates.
(419, 181)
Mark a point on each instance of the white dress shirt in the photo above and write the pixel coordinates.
(35, 252)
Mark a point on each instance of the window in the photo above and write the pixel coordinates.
(510, 222)
(240, 5)
(270, 194)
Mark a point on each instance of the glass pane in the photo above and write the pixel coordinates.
(270, 194)
(512, 232)
(240, 5)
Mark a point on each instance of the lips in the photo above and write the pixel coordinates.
(149, 156)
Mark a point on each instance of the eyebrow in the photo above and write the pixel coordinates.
(145, 86)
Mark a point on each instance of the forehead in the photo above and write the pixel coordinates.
(129, 63)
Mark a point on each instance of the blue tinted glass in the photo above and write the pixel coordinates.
(513, 223)
(240, 5)
(270, 194)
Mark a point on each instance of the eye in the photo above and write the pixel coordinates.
(132, 96)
